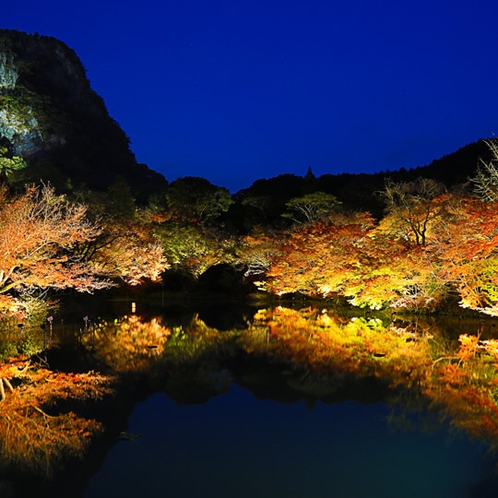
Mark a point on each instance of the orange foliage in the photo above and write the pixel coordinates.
(469, 255)
(34, 434)
(40, 236)
(316, 258)
(130, 345)
(48, 242)
(128, 251)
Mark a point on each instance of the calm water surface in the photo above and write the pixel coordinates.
(236, 445)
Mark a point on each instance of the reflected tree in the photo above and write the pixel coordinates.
(37, 434)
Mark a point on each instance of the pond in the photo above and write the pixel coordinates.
(276, 402)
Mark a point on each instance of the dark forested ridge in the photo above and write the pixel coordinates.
(359, 191)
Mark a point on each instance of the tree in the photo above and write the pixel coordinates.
(486, 178)
(191, 247)
(40, 236)
(311, 207)
(469, 255)
(413, 206)
(393, 274)
(256, 252)
(318, 258)
(47, 242)
(196, 199)
(126, 251)
(126, 248)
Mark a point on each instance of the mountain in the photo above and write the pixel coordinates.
(51, 118)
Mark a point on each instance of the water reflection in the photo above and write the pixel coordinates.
(127, 345)
(312, 360)
(319, 358)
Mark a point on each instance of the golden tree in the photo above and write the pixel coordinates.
(316, 259)
(127, 251)
(469, 255)
(412, 207)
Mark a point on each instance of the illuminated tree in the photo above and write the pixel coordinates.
(349, 256)
(316, 259)
(40, 237)
(47, 242)
(412, 207)
(311, 207)
(126, 249)
(393, 274)
(192, 247)
(486, 179)
(469, 255)
(256, 252)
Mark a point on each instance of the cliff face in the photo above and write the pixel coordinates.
(50, 117)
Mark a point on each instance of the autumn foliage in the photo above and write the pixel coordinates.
(48, 242)
(40, 234)
(128, 345)
(35, 434)
(385, 264)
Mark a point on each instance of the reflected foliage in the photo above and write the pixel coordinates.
(38, 432)
(412, 363)
(457, 380)
(309, 353)
(129, 344)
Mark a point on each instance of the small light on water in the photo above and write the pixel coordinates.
(133, 307)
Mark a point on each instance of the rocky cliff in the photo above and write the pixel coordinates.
(52, 119)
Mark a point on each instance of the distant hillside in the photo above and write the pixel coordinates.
(50, 116)
(457, 167)
(357, 192)
(452, 170)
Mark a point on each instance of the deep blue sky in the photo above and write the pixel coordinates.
(234, 91)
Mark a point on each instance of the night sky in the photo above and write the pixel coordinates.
(234, 91)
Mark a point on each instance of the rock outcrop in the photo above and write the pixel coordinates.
(52, 119)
